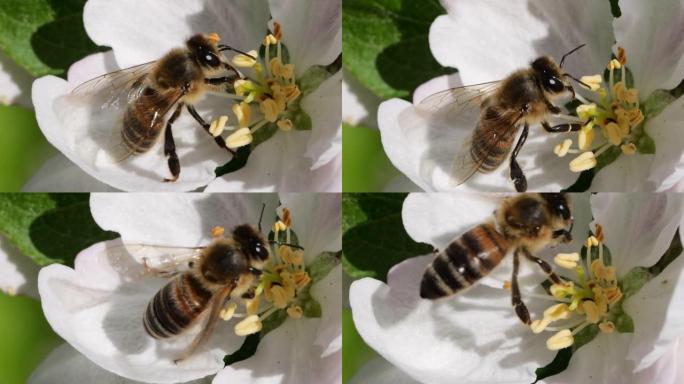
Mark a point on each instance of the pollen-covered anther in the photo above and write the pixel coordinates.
(252, 305)
(270, 39)
(279, 226)
(592, 311)
(594, 82)
(301, 279)
(214, 37)
(250, 325)
(585, 161)
(614, 64)
(217, 126)
(243, 113)
(270, 109)
(228, 312)
(567, 260)
(560, 340)
(285, 125)
(245, 61)
(295, 312)
(560, 291)
(585, 137)
(613, 132)
(279, 296)
(239, 138)
(217, 231)
(607, 327)
(297, 257)
(562, 149)
(277, 31)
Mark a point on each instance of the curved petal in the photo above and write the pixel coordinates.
(59, 174)
(328, 292)
(312, 30)
(668, 163)
(324, 108)
(18, 274)
(141, 32)
(279, 165)
(401, 183)
(358, 103)
(178, 220)
(517, 32)
(316, 220)
(15, 83)
(637, 227)
(626, 174)
(423, 145)
(652, 40)
(380, 371)
(473, 338)
(98, 308)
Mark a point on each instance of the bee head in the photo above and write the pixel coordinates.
(251, 242)
(224, 262)
(204, 49)
(550, 77)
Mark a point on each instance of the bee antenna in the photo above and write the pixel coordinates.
(569, 53)
(261, 215)
(577, 80)
(223, 47)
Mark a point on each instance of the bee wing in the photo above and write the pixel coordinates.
(457, 100)
(114, 83)
(490, 141)
(161, 260)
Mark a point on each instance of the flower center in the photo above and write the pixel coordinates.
(616, 115)
(272, 89)
(589, 300)
(283, 278)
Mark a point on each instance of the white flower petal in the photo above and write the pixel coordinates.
(626, 174)
(279, 164)
(517, 32)
(312, 30)
(141, 32)
(179, 220)
(668, 163)
(658, 317)
(59, 174)
(98, 308)
(65, 365)
(401, 183)
(18, 273)
(477, 329)
(423, 146)
(323, 106)
(359, 104)
(652, 40)
(435, 85)
(328, 292)
(380, 371)
(316, 220)
(638, 228)
(15, 83)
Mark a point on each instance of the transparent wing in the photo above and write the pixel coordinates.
(456, 100)
(162, 261)
(114, 83)
(493, 137)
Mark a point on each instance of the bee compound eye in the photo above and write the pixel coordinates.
(555, 84)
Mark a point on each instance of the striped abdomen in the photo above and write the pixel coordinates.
(144, 121)
(493, 137)
(175, 306)
(464, 261)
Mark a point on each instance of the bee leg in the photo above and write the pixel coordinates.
(544, 266)
(516, 299)
(170, 146)
(567, 127)
(218, 139)
(517, 175)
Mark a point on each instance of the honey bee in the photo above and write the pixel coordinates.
(229, 267)
(522, 99)
(148, 98)
(523, 224)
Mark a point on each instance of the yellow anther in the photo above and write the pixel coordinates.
(285, 253)
(279, 296)
(302, 279)
(239, 138)
(217, 126)
(285, 124)
(562, 149)
(243, 113)
(585, 161)
(291, 92)
(613, 133)
(597, 268)
(585, 136)
(277, 31)
(635, 116)
(295, 312)
(594, 82)
(599, 233)
(276, 66)
(567, 260)
(613, 294)
(250, 325)
(614, 64)
(607, 327)
(539, 326)
(586, 111)
(593, 240)
(287, 72)
(287, 217)
(621, 57)
(557, 312)
(213, 38)
(228, 312)
(217, 231)
(592, 311)
(270, 110)
(628, 149)
(560, 291)
(245, 61)
(269, 39)
(252, 306)
(279, 226)
(297, 257)
(560, 340)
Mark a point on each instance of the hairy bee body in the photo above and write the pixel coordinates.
(524, 223)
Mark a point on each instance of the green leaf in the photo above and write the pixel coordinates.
(558, 365)
(317, 74)
(607, 157)
(236, 163)
(355, 352)
(385, 44)
(365, 166)
(374, 238)
(656, 102)
(615, 8)
(247, 350)
(645, 144)
(50, 228)
(44, 36)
